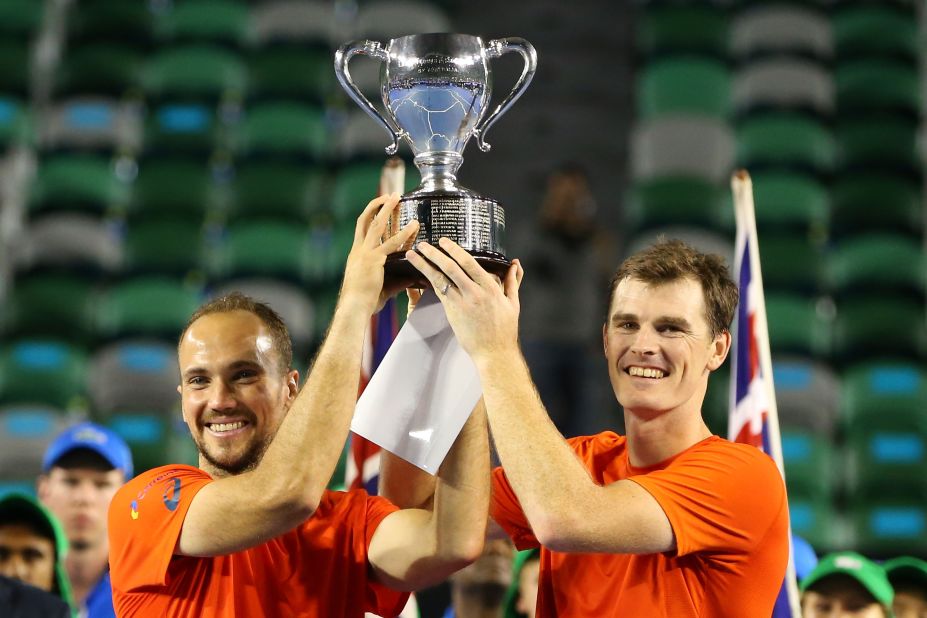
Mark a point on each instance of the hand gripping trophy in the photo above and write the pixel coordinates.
(436, 89)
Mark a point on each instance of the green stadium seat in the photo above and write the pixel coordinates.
(358, 183)
(154, 439)
(888, 528)
(263, 248)
(791, 263)
(870, 390)
(284, 129)
(164, 246)
(814, 518)
(290, 72)
(887, 455)
(674, 29)
(168, 187)
(876, 29)
(328, 250)
(35, 308)
(810, 466)
(80, 182)
(15, 122)
(43, 371)
(286, 190)
(15, 63)
(867, 86)
(156, 307)
(676, 200)
(20, 19)
(194, 73)
(785, 139)
(182, 128)
(790, 201)
(876, 263)
(888, 143)
(879, 327)
(224, 22)
(716, 407)
(111, 21)
(867, 202)
(109, 69)
(796, 326)
(684, 85)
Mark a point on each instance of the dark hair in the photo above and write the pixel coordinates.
(670, 260)
(236, 301)
(83, 458)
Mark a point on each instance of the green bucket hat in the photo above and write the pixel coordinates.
(869, 574)
(23, 507)
(511, 595)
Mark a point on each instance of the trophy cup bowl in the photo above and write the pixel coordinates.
(435, 90)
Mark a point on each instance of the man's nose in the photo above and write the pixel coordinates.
(221, 397)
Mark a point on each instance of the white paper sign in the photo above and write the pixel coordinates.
(423, 391)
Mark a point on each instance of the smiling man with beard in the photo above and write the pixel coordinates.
(252, 531)
(667, 521)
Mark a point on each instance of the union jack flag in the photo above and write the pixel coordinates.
(753, 417)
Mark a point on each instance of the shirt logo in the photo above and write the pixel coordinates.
(172, 495)
(134, 512)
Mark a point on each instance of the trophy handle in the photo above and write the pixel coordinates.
(494, 49)
(375, 50)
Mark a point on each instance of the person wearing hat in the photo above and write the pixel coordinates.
(521, 599)
(81, 471)
(845, 585)
(33, 545)
(908, 577)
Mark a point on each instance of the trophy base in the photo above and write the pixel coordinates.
(475, 223)
(398, 268)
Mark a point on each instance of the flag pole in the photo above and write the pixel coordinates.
(745, 215)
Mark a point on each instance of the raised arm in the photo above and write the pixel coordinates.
(244, 510)
(419, 547)
(566, 509)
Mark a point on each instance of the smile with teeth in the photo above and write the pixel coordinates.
(223, 427)
(646, 372)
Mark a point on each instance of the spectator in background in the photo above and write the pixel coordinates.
(908, 577)
(563, 254)
(804, 556)
(33, 545)
(479, 590)
(845, 585)
(81, 471)
(522, 597)
(19, 600)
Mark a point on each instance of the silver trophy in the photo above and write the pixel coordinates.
(436, 89)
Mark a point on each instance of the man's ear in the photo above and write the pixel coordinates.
(605, 339)
(41, 487)
(292, 385)
(721, 346)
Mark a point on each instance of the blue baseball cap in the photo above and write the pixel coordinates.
(101, 440)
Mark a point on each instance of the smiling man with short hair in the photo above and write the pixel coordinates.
(667, 521)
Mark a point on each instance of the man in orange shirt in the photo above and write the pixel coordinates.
(252, 531)
(666, 521)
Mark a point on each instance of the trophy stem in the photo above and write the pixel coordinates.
(438, 170)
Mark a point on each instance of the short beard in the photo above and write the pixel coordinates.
(248, 461)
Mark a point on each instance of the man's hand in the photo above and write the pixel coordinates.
(483, 314)
(363, 273)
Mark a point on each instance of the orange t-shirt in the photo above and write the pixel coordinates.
(727, 505)
(317, 569)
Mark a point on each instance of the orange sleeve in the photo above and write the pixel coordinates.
(381, 599)
(145, 519)
(720, 498)
(506, 510)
